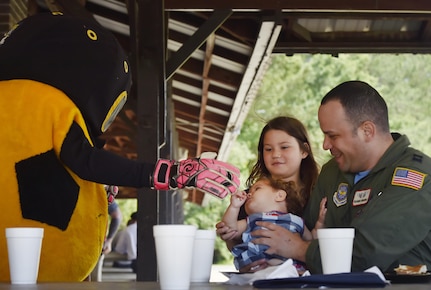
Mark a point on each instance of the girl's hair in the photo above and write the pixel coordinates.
(309, 169)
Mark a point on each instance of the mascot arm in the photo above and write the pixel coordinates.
(101, 166)
(211, 176)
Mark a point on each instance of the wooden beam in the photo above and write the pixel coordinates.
(219, 74)
(205, 85)
(426, 31)
(364, 5)
(196, 40)
(353, 47)
(147, 35)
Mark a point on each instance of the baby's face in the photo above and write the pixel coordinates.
(261, 197)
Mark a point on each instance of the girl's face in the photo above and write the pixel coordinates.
(282, 155)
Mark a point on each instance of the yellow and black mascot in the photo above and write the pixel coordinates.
(62, 82)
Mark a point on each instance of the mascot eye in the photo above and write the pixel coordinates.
(115, 109)
(91, 34)
(126, 67)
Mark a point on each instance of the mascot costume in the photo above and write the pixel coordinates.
(62, 82)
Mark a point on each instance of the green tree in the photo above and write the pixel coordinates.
(127, 206)
(404, 81)
(294, 85)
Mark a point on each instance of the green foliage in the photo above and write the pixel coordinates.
(127, 207)
(294, 85)
(242, 155)
(405, 81)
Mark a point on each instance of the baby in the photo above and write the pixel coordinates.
(267, 200)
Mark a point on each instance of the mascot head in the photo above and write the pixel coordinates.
(76, 56)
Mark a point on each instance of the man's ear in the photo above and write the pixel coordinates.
(281, 195)
(369, 130)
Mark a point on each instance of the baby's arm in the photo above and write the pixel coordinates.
(320, 224)
(230, 217)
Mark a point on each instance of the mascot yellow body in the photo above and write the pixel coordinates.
(74, 225)
(57, 73)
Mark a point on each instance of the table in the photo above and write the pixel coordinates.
(155, 286)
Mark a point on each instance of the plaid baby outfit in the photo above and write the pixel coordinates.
(248, 252)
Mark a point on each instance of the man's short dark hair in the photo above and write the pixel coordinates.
(361, 103)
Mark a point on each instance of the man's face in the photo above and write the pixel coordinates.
(341, 139)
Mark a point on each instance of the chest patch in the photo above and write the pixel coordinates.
(340, 196)
(361, 197)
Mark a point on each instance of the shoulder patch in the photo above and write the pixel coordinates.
(408, 178)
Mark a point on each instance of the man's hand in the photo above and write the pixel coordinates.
(225, 232)
(322, 214)
(209, 175)
(227, 235)
(255, 266)
(107, 246)
(280, 241)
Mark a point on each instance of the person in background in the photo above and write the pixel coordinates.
(270, 200)
(127, 241)
(116, 218)
(284, 152)
(375, 183)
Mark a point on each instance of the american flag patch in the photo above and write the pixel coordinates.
(408, 178)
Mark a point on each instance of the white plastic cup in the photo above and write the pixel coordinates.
(24, 247)
(336, 247)
(203, 255)
(174, 251)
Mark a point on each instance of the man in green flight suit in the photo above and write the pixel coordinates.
(375, 183)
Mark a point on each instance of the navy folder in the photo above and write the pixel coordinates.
(342, 280)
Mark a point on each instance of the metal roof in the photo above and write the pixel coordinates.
(217, 52)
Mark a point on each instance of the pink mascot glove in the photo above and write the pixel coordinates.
(209, 175)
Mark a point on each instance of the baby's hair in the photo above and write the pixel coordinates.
(294, 202)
